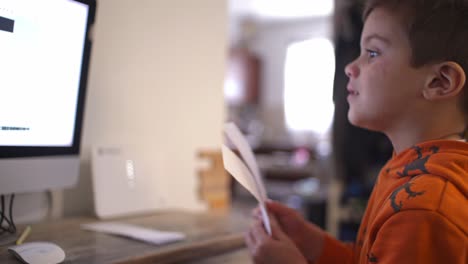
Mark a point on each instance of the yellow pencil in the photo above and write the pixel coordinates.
(24, 235)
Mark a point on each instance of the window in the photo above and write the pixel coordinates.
(308, 86)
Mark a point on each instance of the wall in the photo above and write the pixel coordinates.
(156, 83)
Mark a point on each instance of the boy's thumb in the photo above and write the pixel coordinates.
(277, 208)
(277, 232)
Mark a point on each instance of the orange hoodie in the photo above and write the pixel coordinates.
(417, 213)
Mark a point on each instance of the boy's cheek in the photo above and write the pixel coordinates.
(379, 68)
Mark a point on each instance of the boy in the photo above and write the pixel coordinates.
(409, 83)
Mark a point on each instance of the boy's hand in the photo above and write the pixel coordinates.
(275, 249)
(307, 237)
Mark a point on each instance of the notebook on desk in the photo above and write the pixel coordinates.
(122, 183)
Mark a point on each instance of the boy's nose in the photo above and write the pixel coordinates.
(351, 70)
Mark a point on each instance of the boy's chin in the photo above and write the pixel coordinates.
(362, 122)
(355, 119)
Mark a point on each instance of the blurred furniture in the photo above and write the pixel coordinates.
(242, 85)
(290, 175)
(210, 236)
(214, 181)
(285, 163)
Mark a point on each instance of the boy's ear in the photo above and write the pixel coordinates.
(447, 80)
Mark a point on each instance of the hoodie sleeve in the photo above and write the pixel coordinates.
(419, 236)
(335, 251)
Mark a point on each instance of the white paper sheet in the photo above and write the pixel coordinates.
(249, 176)
(148, 235)
(236, 167)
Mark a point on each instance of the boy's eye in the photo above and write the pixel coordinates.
(372, 53)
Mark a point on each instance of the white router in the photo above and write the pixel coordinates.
(122, 183)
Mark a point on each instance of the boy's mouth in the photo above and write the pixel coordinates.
(351, 91)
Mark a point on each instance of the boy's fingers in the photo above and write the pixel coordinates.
(275, 227)
(277, 208)
(276, 230)
(258, 232)
(256, 213)
(249, 240)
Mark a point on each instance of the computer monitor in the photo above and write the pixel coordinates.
(44, 57)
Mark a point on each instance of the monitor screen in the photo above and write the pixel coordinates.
(42, 47)
(44, 57)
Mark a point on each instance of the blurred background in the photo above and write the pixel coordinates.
(285, 88)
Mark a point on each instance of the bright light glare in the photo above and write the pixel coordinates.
(309, 74)
(293, 8)
(232, 90)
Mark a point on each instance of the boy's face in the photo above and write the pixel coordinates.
(384, 90)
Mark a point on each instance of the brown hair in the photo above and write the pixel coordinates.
(437, 32)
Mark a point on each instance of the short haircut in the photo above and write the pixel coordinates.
(437, 31)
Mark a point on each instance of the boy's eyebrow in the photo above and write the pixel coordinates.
(378, 37)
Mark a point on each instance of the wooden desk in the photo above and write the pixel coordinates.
(211, 238)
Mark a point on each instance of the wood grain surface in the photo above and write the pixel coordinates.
(211, 237)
